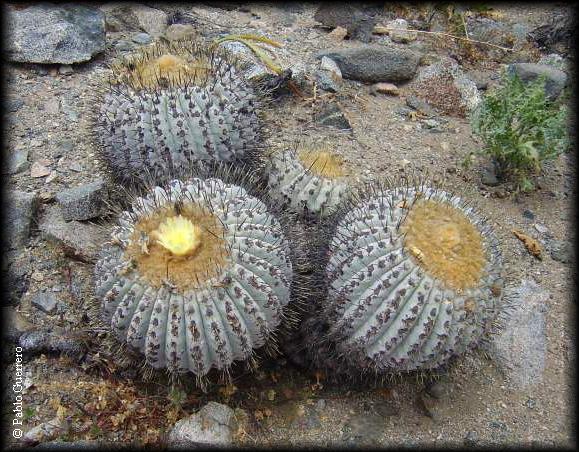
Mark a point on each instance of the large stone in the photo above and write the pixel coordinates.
(449, 69)
(84, 202)
(485, 29)
(521, 345)
(48, 33)
(555, 80)
(372, 63)
(357, 21)
(212, 425)
(18, 215)
(130, 16)
(45, 301)
(328, 76)
(79, 240)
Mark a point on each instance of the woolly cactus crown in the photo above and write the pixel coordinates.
(197, 277)
(170, 106)
(414, 279)
(310, 178)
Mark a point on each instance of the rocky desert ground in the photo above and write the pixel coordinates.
(388, 118)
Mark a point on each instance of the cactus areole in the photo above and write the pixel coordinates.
(197, 276)
(414, 280)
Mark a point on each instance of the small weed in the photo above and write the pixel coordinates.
(521, 128)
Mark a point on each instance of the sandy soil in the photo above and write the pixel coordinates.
(287, 405)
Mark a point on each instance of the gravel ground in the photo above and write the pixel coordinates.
(478, 404)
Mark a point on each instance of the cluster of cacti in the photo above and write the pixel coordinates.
(199, 273)
(171, 106)
(308, 179)
(197, 276)
(413, 279)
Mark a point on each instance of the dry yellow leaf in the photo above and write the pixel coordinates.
(530, 243)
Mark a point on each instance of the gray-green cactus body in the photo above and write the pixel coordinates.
(212, 307)
(161, 115)
(301, 180)
(400, 305)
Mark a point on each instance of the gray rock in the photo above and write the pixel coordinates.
(142, 38)
(177, 32)
(47, 33)
(45, 301)
(555, 80)
(399, 35)
(83, 202)
(130, 16)
(471, 438)
(79, 240)
(358, 22)
(520, 347)
(528, 214)
(212, 425)
(18, 216)
(421, 106)
(431, 123)
(65, 146)
(447, 67)
(329, 76)
(371, 63)
(331, 115)
(36, 342)
(489, 176)
(255, 69)
(480, 78)
(17, 161)
(563, 251)
(487, 30)
(14, 105)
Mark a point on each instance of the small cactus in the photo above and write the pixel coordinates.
(171, 106)
(414, 279)
(197, 276)
(310, 179)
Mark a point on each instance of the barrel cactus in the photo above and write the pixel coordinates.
(309, 178)
(170, 106)
(413, 279)
(197, 275)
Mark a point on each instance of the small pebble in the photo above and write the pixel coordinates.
(528, 214)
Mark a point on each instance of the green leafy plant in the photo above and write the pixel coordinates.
(521, 128)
